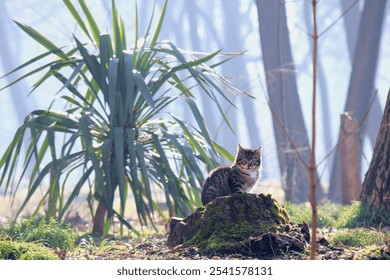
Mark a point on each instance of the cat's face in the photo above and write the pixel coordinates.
(248, 159)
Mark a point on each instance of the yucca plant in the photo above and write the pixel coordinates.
(117, 128)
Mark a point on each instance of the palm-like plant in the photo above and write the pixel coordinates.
(116, 127)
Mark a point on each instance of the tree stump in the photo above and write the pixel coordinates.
(350, 153)
(240, 223)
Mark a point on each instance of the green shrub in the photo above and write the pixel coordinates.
(117, 127)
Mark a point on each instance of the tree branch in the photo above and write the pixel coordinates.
(312, 164)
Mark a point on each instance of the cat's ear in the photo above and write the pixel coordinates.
(239, 148)
(259, 149)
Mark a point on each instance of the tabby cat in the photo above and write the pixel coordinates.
(240, 177)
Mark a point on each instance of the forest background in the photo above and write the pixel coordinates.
(233, 26)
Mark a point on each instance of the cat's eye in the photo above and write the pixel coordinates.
(242, 162)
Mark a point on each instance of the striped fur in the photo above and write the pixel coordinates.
(240, 177)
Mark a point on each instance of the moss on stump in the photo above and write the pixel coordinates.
(244, 223)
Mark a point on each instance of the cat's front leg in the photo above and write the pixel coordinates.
(237, 188)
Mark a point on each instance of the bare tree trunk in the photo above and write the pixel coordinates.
(193, 11)
(289, 126)
(99, 219)
(376, 185)
(9, 61)
(224, 133)
(232, 42)
(365, 41)
(365, 58)
(350, 151)
(351, 18)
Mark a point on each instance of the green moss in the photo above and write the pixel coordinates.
(374, 253)
(227, 221)
(280, 212)
(11, 250)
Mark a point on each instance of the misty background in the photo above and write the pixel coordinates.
(233, 26)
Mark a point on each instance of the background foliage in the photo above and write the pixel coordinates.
(116, 125)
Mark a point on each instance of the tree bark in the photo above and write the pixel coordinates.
(288, 122)
(361, 85)
(376, 185)
(236, 231)
(350, 151)
(99, 219)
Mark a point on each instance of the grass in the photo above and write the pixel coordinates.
(42, 239)
(49, 233)
(98, 246)
(359, 237)
(14, 250)
(339, 216)
(349, 228)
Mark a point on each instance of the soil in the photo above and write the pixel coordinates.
(153, 246)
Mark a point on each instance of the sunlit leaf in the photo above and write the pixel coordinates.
(143, 88)
(38, 37)
(91, 21)
(77, 17)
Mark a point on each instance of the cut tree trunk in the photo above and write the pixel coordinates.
(350, 151)
(361, 84)
(244, 223)
(376, 185)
